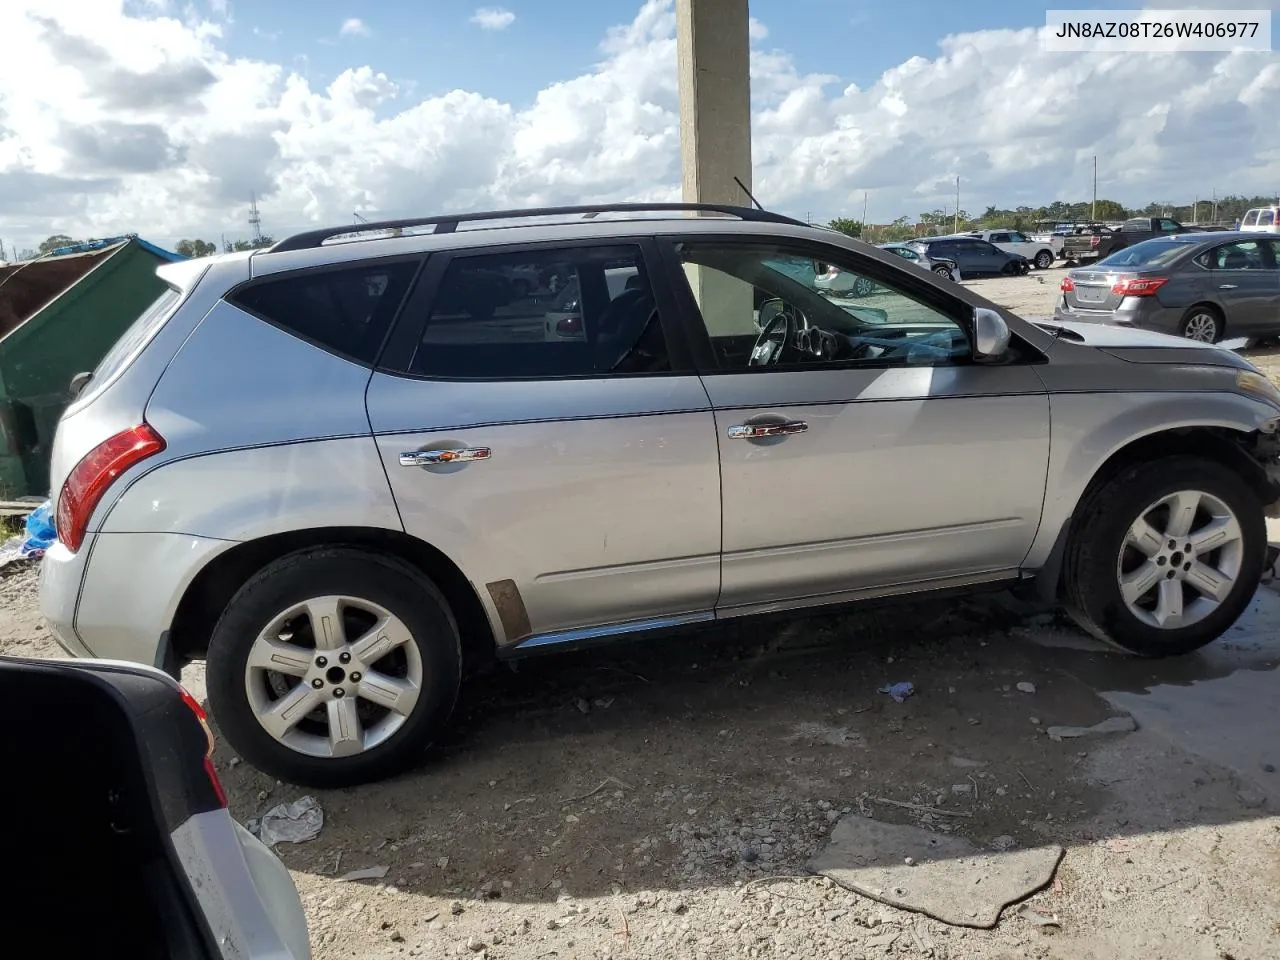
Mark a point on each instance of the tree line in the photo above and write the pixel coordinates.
(935, 222)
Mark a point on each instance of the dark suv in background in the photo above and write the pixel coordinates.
(973, 256)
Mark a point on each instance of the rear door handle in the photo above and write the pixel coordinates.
(429, 458)
(756, 431)
(1226, 286)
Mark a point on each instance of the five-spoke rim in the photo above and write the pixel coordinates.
(333, 676)
(1202, 327)
(1180, 559)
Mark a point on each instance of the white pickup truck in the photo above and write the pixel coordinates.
(1041, 251)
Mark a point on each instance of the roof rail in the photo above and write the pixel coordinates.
(448, 224)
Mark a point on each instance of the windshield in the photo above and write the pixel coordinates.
(1148, 253)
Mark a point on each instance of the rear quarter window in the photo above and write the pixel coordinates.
(346, 310)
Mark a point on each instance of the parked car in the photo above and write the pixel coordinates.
(120, 825)
(942, 267)
(1041, 252)
(284, 471)
(1203, 286)
(974, 257)
(1261, 220)
(1098, 242)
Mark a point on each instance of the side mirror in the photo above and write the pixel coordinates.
(79, 382)
(990, 334)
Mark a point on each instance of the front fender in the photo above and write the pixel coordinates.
(1090, 428)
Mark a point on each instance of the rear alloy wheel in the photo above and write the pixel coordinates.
(1202, 324)
(333, 667)
(1168, 558)
(943, 271)
(1044, 260)
(863, 287)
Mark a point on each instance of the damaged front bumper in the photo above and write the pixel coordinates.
(1266, 450)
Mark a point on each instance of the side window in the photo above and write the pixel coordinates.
(1135, 226)
(346, 310)
(1251, 218)
(1017, 238)
(1001, 238)
(1266, 218)
(571, 312)
(1168, 226)
(764, 307)
(979, 247)
(1244, 255)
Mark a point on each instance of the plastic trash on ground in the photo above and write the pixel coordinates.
(40, 531)
(294, 822)
(899, 691)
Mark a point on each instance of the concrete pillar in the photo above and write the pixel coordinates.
(713, 49)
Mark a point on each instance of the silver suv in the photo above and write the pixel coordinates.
(350, 469)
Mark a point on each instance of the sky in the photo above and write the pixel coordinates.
(163, 117)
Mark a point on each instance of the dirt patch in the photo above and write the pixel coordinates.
(656, 800)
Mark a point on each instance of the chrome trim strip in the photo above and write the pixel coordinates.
(614, 629)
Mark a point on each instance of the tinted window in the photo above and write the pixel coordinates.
(1168, 225)
(576, 312)
(1136, 225)
(842, 316)
(1266, 218)
(974, 246)
(1244, 255)
(1017, 238)
(346, 310)
(1153, 253)
(999, 238)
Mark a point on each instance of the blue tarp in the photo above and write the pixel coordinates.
(40, 532)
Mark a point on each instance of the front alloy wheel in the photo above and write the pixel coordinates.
(1180, 559)
(1164, 555)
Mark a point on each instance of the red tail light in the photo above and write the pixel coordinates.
(1138, 286)
(1068, 285)
(1095, 241)
(203, 717)
(90, 478)
(569, 326)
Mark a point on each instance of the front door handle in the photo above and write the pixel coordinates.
(1226, 286)
(756, 431)
(430, 458)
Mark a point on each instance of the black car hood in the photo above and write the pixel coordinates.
(1143, 346)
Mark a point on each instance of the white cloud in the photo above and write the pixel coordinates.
(142, 122)
(493, 18)
(354, 27)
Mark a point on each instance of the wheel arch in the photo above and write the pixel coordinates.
(1220, 444)
(213, 587)
(1211, 307)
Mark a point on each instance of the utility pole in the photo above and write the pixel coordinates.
(955, 225)
(255, 220)
(864, 208)
(1215, 204)
(1093, 210)
(1195, 211)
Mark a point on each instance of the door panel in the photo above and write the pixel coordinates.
(901, 476)
(1245, 281)
(597, 510)
(553, 443)
(891, 458)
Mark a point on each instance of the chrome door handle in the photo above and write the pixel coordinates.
(429, 458)
(755, 431)
(1226, 286)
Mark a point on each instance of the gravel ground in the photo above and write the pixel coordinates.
(631, 802)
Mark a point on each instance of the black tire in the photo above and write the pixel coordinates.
(943, 272)
(327, 571)
(863, 287)
(1044, 260)
(1196, 316)
(1091, 586)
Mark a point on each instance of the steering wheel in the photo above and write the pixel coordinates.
(769, 348)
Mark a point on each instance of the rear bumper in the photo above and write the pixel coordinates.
(115, 598)
(1144, 313)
